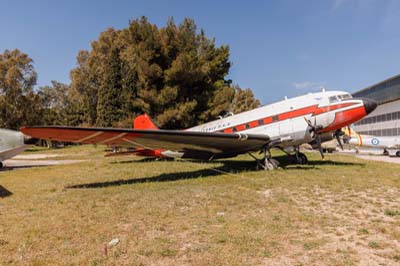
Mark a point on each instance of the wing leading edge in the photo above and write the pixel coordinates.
(175, 140)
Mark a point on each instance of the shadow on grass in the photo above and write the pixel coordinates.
(144, 160)
(4, 192)
(33, 150)
(228, 167)
(11, 168)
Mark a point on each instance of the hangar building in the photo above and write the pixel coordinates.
(385, 120)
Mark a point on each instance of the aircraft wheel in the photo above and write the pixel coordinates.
(398, 153)
(1, 165)
(271, 164)
(302, 158)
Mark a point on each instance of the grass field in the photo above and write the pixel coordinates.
(341, 211)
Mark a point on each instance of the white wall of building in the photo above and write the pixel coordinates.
(384, 121)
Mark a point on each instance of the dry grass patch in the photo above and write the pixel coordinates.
(190, 213)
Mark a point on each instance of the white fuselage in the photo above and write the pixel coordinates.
(388, 143)
(286, 120)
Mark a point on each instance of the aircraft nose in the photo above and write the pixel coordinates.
(369, 105)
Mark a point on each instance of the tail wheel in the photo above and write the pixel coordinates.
(398, 153)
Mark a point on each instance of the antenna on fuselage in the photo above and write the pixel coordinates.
(323, 89)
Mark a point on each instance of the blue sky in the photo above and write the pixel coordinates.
(278, 48)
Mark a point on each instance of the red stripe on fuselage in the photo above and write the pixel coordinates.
(331, 108)
(297, 112)
(313, 110)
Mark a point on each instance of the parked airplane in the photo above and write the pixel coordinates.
(11, 143)
(390, 145)
(284, 125)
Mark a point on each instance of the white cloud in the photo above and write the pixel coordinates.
(307, 85)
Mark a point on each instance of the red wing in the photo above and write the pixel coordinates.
(153, 139)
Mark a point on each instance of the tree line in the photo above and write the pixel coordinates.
(174, 73)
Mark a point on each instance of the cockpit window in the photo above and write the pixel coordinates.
(338, 98)
(333, 99)
(344, 96)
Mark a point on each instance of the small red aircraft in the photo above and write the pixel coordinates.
(314, 117)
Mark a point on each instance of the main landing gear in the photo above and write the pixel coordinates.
(300, 158)
(269, 163)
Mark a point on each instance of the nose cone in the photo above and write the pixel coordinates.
(369, 105)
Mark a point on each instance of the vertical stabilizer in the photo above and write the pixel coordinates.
(144, 122)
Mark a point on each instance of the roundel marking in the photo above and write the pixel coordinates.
(375, 141)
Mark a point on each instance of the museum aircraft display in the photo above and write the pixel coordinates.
(285, 125)
(12, 143)
(389, 145)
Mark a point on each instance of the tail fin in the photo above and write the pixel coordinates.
(144, 122)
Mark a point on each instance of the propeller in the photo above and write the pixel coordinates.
(314, 128)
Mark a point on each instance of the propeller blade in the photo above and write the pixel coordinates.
(308, 122)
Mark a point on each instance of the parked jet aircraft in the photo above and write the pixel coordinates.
(390, 145)
(284, 125)
(11, 144)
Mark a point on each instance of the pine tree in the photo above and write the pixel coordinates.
(175, 74)
(243, 100)
(109, 102)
